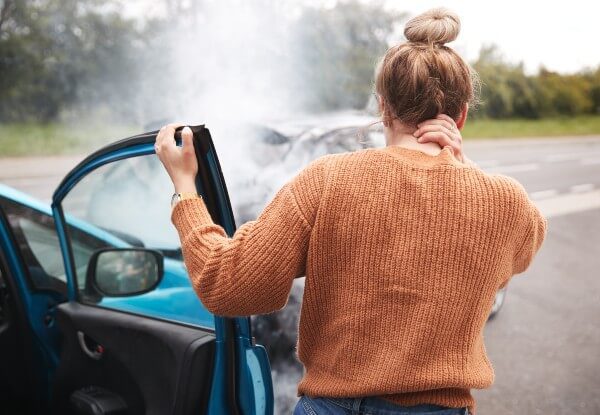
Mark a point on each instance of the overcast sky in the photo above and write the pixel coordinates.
(563, 36)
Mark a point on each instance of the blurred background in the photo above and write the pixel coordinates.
(280, 83)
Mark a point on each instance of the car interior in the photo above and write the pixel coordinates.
(124, 364)
(18, 359)
(111, 362)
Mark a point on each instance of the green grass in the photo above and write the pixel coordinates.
(58, 138)
(548, 127)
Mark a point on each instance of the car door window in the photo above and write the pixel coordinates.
(128, 202)
(39, 246)
(43, 244)
(129, 199)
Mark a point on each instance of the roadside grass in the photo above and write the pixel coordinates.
(547, 127)
(29, 139)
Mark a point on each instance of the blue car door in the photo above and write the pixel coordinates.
(160, 351)
(32, 284)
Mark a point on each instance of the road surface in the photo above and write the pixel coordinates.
(545, 343)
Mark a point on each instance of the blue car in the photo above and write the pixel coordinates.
(97, 314)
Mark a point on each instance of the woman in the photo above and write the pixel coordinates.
(403, 247)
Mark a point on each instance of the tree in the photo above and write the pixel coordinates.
(61, 58)
(509, 92)
(338, 48)
(51, 49)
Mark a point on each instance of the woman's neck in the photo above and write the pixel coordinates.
(399, 135)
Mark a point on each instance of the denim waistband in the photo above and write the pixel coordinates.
(377, 404)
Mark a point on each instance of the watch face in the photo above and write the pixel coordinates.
(175, 198)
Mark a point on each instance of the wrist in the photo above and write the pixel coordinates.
(185, 187)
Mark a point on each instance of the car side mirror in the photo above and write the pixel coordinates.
(123, 272)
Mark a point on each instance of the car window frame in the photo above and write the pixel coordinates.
(32, 287)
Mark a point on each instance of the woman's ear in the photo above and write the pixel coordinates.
(383, 112)
(462, 118)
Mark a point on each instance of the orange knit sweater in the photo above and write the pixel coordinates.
(403, 253)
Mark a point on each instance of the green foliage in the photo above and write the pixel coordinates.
(73, 57)
(57, 53)
(27, 139)
(507, 91)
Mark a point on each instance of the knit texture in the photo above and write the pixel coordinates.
(403, 253)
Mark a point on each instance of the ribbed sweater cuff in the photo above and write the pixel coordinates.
(188, 215)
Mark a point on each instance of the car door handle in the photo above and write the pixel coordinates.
(95, 353)
(49, 317)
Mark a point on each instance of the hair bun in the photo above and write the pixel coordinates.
(437, 26)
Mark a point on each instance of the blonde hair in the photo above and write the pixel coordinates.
(422, 77)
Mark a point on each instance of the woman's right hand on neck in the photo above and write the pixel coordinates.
(443, 131)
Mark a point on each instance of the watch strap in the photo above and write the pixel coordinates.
(178, 197)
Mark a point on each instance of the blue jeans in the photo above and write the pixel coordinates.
(367, 406)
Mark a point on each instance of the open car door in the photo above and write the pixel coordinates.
(145, 345)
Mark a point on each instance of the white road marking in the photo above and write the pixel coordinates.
(513, 168)
(569, 203)
(569, 156)
(543, 194)
(590, 161)
(582, 188)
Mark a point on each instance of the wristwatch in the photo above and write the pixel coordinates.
(178, 197)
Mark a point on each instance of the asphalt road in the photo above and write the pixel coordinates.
(545, 343)
(38, 176)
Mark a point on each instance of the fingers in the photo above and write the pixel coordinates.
(447, 118)
(441, 119)
(187, 138)
(450, 127)
(431, 125)
(166, 137)
(436, 128)
(456, 149)
(443, 140)
(158, 140)
(438, 137)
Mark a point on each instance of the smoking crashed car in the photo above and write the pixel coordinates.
(97, 314)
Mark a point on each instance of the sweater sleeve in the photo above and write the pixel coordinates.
(251, 272)
(531, 239)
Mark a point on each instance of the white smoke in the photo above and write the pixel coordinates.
(222, 61)
(229, 64)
